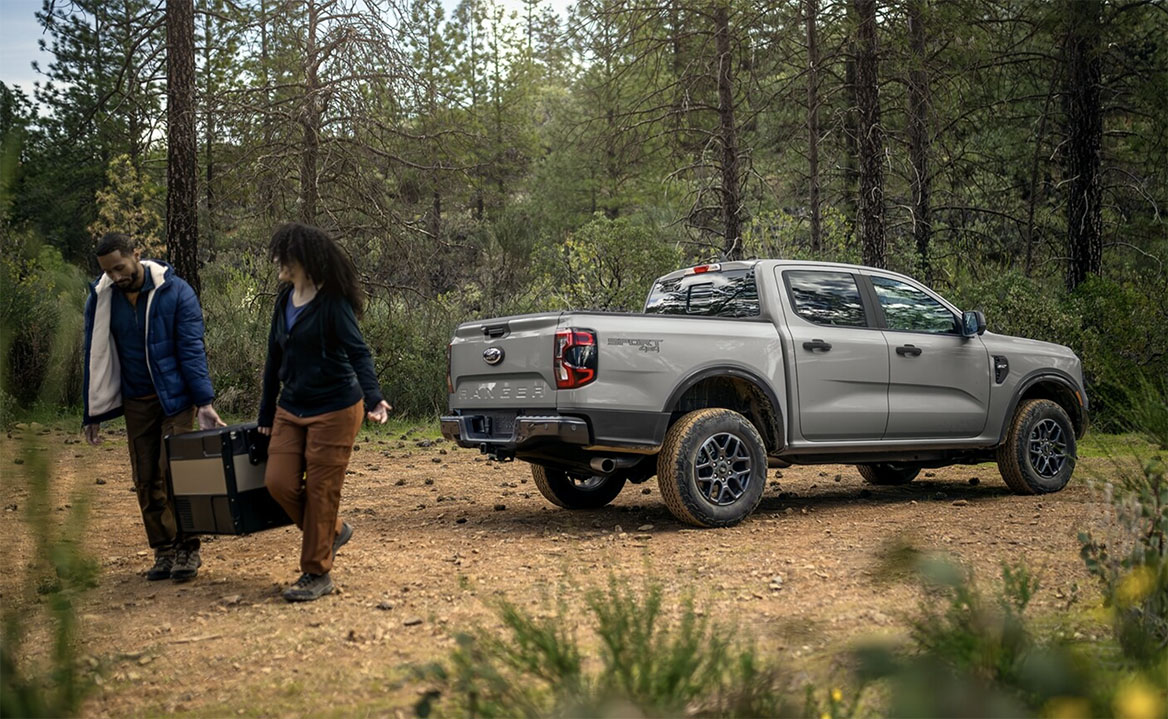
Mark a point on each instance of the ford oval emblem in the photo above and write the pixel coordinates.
(493, 355)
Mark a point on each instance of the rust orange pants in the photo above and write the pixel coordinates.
(307, 458)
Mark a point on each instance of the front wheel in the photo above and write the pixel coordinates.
(888, 474)
(712, 468)
(576, 492)
(1038, 455)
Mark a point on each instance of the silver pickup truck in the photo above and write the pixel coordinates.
(738, 366)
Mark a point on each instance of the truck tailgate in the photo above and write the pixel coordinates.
(504, 362)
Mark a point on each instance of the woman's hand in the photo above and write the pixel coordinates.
(264, 431)
(380, 413)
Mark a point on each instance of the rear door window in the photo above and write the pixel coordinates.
(732, 293)
(826, 298)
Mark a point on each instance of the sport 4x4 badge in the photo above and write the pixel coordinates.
(644, 345)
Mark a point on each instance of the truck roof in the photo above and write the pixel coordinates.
(745, 264)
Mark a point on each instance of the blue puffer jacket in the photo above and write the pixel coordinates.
(175, 353)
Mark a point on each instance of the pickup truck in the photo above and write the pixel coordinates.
(735, 367)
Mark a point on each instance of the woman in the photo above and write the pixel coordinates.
(316, 351)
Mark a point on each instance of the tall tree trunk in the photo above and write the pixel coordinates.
(209, 139)
(851, 171)
(612, 167)
(310, 123)
(871, 137)
(918, 136)
(1084, 118)
(1035, 157)
(182, 231)
(267, 180)
(812, 11)
(731, 194)
(436, 215)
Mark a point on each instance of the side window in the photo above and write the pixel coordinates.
(908, 308)
(826, 298)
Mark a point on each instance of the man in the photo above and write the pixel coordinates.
(144, 358)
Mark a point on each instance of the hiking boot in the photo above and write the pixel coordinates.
(163, 561)
(343, 538)
(186, 564)
(309, 587)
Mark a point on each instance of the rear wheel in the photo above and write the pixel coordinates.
(1038, 455)
(712, 468)
(888, 474)
(577, 491)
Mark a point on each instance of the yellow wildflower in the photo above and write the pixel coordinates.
(1135, 586)
(1067, 708)
(1136, 700)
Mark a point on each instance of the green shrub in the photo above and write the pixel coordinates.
(56, 572)
(59, 573)
(41, 301)
(971, 656)
(1131, 563)
(409, 349)
(607, 265)
(649, 665)
(237, 311)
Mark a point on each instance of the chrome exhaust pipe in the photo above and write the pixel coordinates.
(604, 465)
(608, 465)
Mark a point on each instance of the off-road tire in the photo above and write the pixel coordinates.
(677, 467)
(1015, 456)
(562, 491)
(888, 474)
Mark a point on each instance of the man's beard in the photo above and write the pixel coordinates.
(128, 282)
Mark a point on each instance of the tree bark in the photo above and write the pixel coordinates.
(182, 232)
(1084, 118)
(731, 194)
(918, 136)
(871, 137)
(812, 10)
(267, 187)
(851, 172)
(209, 139)
(310, 123)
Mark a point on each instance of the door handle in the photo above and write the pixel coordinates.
(817, 345)
(908, 350)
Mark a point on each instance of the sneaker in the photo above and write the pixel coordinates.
(343, 538)
(163, 561)
(186, 564)
(309, 587)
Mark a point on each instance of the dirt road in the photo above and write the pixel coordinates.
(441, 531)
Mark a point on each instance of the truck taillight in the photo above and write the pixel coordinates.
(575, 358)
(449, 381)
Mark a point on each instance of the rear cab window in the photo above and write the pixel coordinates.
(826, 298)
(728, 293)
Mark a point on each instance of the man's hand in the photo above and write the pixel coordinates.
(209, 418)
(266, 431)
(380, 413)
(92, 433)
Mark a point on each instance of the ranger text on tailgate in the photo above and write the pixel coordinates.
(735, 367)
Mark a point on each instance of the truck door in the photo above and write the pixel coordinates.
(840, 372)
(939, 380)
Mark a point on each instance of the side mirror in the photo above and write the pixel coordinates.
(973, 323)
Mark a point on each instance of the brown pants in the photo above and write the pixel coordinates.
(317, 449)
(146, 425)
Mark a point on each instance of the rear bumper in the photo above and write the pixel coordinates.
(477, 431)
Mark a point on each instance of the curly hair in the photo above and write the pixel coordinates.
(323, 260)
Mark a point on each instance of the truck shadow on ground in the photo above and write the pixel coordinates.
(651, 510)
